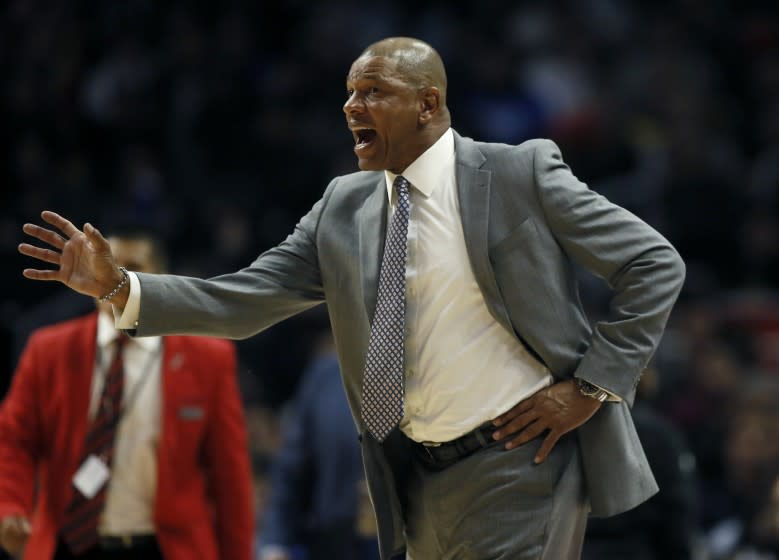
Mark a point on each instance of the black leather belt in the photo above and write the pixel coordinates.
(127, 542)
(438, 456)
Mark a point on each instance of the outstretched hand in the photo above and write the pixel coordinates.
(83, 258)
(558, 408)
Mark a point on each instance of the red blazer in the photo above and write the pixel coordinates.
(203, 507)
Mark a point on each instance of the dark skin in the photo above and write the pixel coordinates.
(396, 109)
(556, 410)
(14, 532)
(405, 121)
(83, 258)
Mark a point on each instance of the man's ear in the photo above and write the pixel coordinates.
(429, 103)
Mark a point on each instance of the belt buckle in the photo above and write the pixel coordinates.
(428, 445)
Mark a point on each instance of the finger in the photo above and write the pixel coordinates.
(46, 275)
(15, 542)
(546, 447)
(96, 237)
(517, 424)
(26, 528)
(515, 411)
(19, 527)
(62, 224)
(531, 432)
(13, 530)
(46, 235)
(39, 253)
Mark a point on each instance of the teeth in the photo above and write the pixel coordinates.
(364, 135)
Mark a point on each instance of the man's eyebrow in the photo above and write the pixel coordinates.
(387, 81)
(366, 76)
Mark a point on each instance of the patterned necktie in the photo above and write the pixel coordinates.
(79, 528)
(382, 385)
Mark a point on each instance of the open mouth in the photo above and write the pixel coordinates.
(363, 137)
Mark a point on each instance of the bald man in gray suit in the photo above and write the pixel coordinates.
(510, 417)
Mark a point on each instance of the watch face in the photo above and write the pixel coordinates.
(587, 388)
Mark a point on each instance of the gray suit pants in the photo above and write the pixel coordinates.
(498, 505)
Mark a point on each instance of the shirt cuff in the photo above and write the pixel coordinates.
(128, 318)
(612, 397)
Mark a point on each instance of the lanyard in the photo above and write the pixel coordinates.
(132, 397)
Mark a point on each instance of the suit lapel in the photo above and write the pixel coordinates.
(473, 189)
(372, 232)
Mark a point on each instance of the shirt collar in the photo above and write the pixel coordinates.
(426, 171)
(107, 333)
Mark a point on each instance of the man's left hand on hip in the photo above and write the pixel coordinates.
(557, 409)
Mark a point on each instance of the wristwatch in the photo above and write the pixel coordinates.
(593, 391)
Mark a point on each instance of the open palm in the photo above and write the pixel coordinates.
(83, 258)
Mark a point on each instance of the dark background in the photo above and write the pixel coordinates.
(217, 125)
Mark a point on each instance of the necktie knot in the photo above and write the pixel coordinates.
(401, 185)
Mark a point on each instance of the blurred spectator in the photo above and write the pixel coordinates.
(319, 507)
(665, 526)
(750, 529)
(193, 118)
(165, 112)
(702, 408)
(164, 424)
(262, 423)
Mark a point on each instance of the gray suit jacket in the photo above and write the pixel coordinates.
(525, 218)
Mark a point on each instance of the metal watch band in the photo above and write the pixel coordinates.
(593, 391)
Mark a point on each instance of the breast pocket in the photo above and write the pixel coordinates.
(189, 421)
(517, 238)
(191, 412)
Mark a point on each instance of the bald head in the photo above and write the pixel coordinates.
(418, 62)
(396, 103)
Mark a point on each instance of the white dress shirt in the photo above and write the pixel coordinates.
(132, 487)
(462, 367)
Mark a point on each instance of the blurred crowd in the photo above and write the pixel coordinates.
(217, 124)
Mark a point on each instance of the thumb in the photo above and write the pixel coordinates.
(96, 237)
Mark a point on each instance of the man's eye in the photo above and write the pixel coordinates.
(349, 92)
(374, 90)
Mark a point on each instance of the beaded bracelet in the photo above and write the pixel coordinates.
(119, 286)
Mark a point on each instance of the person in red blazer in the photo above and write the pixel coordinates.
(180, 482)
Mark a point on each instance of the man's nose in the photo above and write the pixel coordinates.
(353, 104)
